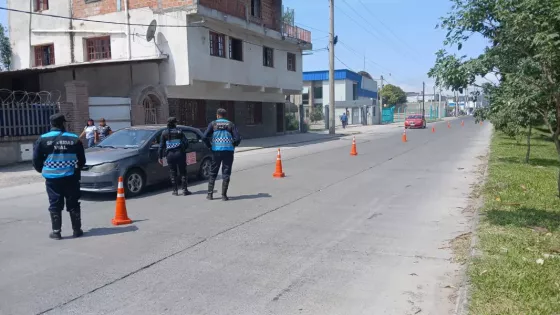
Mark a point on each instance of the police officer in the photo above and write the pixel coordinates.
(222, 136)
(59, 156)
(174, 143)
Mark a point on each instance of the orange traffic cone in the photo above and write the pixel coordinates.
(448, 125)
(404, 136)
(354, 151)
(121, 217)
(462, 123)
(481, 123)
(279, 173)
(433, 129)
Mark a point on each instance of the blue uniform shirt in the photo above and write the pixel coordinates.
(57, 154)
(224, 135)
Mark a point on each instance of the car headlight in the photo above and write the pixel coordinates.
(103, 168)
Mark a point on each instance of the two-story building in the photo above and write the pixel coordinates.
(355, 93)
(197, 56)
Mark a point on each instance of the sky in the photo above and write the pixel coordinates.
(398, 38)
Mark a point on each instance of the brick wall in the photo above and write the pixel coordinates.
(83, 9)
(270, 10)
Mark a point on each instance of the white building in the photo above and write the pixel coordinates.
(355, 93)
(204, 54)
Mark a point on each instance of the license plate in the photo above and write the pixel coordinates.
(412, 124)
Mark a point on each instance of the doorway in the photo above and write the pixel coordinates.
(280, 118)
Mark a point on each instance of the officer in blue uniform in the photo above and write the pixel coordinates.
(174, 144)
(59, 156)
(222, 136)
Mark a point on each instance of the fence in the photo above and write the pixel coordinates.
(26, 113)
(391, 115)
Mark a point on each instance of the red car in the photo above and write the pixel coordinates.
(415, 121)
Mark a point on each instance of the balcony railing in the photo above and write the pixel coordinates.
(296, 32)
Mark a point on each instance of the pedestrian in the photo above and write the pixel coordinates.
(59, 156)
(222, 136)
(344, 120)
(174, 144)
(90, 133)
(103, 131)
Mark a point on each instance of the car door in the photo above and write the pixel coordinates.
(156, 172)
(195, 151)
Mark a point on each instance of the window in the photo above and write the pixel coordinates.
(44, 55)
(191, 136)
(229, 106)
(217, 45)
(318, 92)
(235, 49)
(98, 48)
(291, 62)
(256, 8)
(305, 95)
(268, 57)
(41, 5)
(354, 91)
(254, 113)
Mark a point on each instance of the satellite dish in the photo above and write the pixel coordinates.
(151, 32)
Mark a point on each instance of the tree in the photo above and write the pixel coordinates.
(5, 50)
(523, 53)
(288, 17)
(393, 95)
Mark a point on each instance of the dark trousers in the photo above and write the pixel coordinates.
(223, 159)
(63, 191)
(177, 162)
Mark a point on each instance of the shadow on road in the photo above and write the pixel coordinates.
(111, 230)
(532, 161)
(525, 217)
(249, 197)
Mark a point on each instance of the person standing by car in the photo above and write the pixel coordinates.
(90, 132)
(344, 120)
(103, 131)
(174, 144)
(222, 136)
(59, 156)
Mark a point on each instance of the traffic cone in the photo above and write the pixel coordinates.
(433, 129)
(462, 123)
(279, 173)
(404, 136)
(121, 217)
(481, 123)
(354, 151)
(448, 125)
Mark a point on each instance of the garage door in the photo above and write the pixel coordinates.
(115, 110)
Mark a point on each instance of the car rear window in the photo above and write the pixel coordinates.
(415, 117)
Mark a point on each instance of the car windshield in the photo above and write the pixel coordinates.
(415, 117)
(127, 138)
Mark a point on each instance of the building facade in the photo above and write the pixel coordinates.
(197, 56)
(355, 93)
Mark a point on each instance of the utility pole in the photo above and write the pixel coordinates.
(380, 103)
(331, 72)
(433, 103)
(423, 99)
(439, 106)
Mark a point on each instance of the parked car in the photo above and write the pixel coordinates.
(415, 121)
(133, 154)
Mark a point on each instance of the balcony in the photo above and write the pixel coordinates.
(269, 16)
(295, 32)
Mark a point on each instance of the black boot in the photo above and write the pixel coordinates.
(225, 186)
(175, 191)
(211, 183)
(76, 219)
(184, 182)
(56, 223)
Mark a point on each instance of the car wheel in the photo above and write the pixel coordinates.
(134, 182)
(205, 166)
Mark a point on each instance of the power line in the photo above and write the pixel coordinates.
(372, 27)
(342, 62)
(131, 24)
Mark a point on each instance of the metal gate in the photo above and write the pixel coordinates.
(388, 116)
(26, 113)
(115, 110)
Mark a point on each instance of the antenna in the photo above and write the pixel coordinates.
(151, 32)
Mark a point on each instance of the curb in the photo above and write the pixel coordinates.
(296, 142)
(463, 296)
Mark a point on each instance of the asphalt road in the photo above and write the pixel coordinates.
(339, 235)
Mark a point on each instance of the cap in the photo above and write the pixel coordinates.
(58, 118)
(171, 120)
